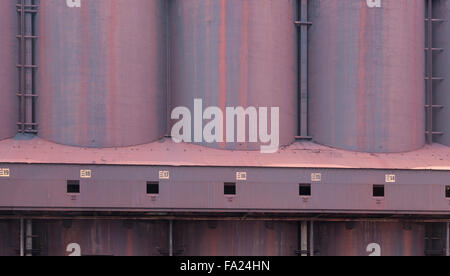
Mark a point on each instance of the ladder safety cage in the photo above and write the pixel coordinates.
(303, 94)
(430, 106)
(27, 10)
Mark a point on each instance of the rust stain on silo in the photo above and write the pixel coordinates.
(9, 81)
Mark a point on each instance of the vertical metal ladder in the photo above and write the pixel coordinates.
(26, 9)
(430, 79)
(303, 96)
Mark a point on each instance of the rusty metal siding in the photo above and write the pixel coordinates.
(119, 237)
(9, 57)
(353, 238)
(9, 237)
(101, 238)
(236, 238)
(236, 53)
(102, 78)
(441, 68)
(367, 75)
(201, 189)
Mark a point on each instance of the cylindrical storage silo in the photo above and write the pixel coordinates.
(366, 74)
(441, 69)
(235, 53)
(102, 72)
(9, 59)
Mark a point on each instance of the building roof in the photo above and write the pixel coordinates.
(167, 153)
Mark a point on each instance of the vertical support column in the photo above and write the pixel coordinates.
(304, 239)
(311, 238)
(29, 238)
(22, 242)
(448, 240)
(171, 238)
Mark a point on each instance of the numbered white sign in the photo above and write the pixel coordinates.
(85, 174)
(74, 249)
(374, 249)
(241, 176)
(73, 3)
(374, 3)
(164, 175)
(5, 172)
(316, 177)
(390, 178)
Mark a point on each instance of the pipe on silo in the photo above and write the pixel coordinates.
(303, 97)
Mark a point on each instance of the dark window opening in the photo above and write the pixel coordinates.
(73, 186)
(152, 188)
(447, 192)
(305, 189)
(230, 188)
(378, 191)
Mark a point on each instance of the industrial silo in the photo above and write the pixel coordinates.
(102, 77)
(9, 59)
(366, 74)
(235, 53)
(441, 69)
